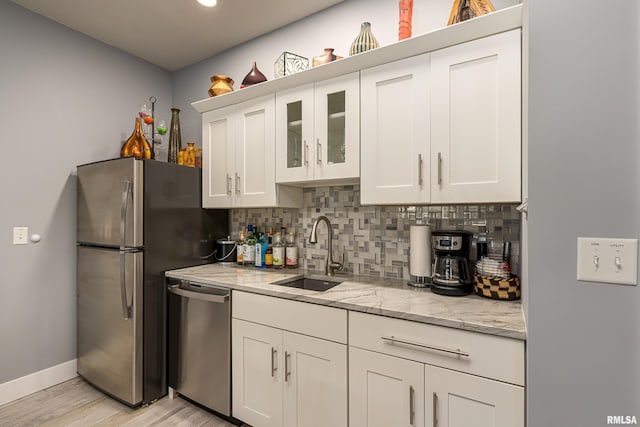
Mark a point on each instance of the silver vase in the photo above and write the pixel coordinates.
(365, 40)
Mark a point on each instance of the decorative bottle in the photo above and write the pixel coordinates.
(175, 138)
(137, 145)
(291, 251)
(365, 40)
(278, 251)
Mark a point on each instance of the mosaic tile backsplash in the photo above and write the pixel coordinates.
(375, 239)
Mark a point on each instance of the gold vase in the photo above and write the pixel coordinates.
(137, 145)
(220, 84)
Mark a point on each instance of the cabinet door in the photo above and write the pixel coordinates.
(384, 390)
(294, 134)
(395, 132)
(315, 382)
(475, 121)
(454, 399)
(256, 365)
(255, 176)
(337, 128)
(218, 162)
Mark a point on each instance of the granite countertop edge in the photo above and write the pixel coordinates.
(372, 295)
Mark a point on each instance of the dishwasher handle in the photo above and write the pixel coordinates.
(221, 299)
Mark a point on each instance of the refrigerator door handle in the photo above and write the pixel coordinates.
(123, 214)
(126, 309)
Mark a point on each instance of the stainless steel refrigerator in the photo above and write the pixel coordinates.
(136, 219)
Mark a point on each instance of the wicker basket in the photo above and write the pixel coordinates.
(496, 287)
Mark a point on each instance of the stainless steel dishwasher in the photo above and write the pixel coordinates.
(199, 349)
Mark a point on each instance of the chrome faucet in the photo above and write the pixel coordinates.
(331, 266)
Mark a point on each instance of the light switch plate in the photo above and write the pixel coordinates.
(20, 235)
(608, 260)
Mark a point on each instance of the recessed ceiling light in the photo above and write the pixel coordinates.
(208, 3)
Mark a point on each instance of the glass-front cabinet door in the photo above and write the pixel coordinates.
(337, 125)
(318, 131)
(294, 134)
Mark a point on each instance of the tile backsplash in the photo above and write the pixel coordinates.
(375, 239)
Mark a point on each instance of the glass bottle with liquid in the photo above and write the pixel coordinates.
(240, 249)
(261, 249)
(291, 251)
(249, 252)
(278, 251)
(268, 255)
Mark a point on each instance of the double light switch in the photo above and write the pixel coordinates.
(608, 260)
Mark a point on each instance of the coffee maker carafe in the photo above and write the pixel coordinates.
(451, 272)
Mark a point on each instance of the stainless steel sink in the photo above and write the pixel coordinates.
(313, 284)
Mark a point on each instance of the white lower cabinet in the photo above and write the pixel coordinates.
(384, 390)
(394, 380)
(290, 368)
(285, 378)
(455, 399)
(257, 384)
(315, 386)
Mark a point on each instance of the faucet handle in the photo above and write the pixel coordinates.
(338, 266)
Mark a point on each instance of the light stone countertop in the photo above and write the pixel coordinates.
(388, 297)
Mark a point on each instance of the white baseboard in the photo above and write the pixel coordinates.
(23, 386)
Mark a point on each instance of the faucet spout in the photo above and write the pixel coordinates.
(331, 266)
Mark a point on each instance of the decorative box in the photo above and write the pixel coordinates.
(290, 63)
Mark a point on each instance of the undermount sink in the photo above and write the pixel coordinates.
(312, 284)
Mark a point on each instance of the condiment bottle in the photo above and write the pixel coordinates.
(291, 251)
(240, 248)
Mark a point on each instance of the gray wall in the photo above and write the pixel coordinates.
(335, 27)
(65, 99)
(584, 338)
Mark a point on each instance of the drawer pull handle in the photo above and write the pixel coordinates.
(412, 409)
(457, 352)
(435, 408)
(287, 362)
(274, 368)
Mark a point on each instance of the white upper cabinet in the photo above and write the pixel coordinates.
(432, 119)
(318, 131)
(476, 121)
(395, 144)
(239, 157)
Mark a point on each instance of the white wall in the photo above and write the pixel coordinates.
(65, 99)
(584, 338)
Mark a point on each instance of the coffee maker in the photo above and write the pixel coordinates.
(451, 272)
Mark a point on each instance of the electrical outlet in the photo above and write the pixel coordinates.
(608, 260)
(20, 235)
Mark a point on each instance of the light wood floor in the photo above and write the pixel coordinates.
(76, 403)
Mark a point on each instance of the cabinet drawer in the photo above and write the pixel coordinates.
(305, 318)
(484, 355)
